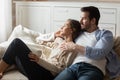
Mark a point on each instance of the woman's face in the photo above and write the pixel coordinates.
(66, 29)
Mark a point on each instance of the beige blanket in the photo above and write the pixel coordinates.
(57, 60)
(51, 57)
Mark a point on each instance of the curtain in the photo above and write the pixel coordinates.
(5, 19)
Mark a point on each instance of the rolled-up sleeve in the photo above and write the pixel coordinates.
(103, 46)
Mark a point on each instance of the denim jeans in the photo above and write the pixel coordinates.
(81, 71)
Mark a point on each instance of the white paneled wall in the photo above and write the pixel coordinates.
(49, 16)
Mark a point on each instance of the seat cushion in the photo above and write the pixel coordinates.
(13, 75)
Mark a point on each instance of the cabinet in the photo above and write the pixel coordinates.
(49, 16)
(108, 19)
(110, 0)
(90, 0)
(61, 14)
(34, 16)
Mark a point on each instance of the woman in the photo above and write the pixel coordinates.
(27, 62)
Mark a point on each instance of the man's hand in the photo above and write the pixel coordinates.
(69, 46)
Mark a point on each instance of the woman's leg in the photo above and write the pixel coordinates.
(29, 68)
(17, 53)
(3, 66)
(32, 70)
(16, 47)
(10, 54)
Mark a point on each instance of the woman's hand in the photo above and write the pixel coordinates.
(57, 34)
(33, 57)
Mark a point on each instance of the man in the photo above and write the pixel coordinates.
(93, 45)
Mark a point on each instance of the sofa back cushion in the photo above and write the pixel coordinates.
(116, 46)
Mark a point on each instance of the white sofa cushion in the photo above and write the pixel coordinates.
(13, 75)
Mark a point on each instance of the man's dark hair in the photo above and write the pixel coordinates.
(93, 12)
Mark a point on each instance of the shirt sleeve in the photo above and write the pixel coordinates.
(46, 37)
(103, 46)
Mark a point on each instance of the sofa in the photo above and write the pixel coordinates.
(28, 36)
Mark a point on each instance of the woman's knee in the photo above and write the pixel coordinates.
(17, 40)
(20, 46)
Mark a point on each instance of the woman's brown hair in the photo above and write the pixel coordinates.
(76, 27)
